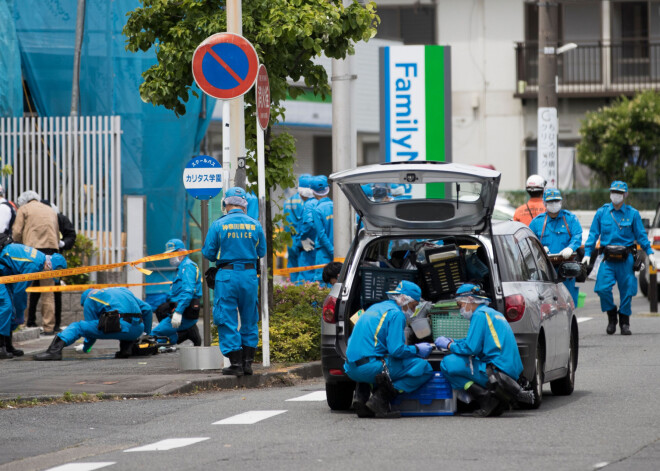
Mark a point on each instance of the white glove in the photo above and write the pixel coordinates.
(586, 259)
(61, 243)
(307, 244)
(547, 249)
(566, 253)
(653, 262)
(80, 348)
(176, 320)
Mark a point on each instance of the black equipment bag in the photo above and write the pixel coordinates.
(109, 322)
(615, 253)
(638, 263)
(209, 276)
(5, 240)
(192, 311)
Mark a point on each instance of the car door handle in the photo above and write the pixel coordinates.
(541, 297)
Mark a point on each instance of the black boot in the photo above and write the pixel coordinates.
(248, 358)
(32, 308)
(624, 324)
(9, 345)
(379, 402)
(360, 398)
(54, 351)
(489, 404)
(125, 349)
(236, 361)
(611, 321)
(193, 335)
(4, 354)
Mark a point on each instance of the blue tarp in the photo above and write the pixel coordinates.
(11, 87)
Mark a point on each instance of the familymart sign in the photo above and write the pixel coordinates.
(415, 99)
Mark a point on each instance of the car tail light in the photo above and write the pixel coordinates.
(514, 307)
(656, 240)
(329, 306)
(334, 372)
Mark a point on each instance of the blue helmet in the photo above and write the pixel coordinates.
(319, 185)
(57, 262)
(619, 186)
(409, 289)
(173, 245)
(469, 290)
(551, 194)
(235, 196)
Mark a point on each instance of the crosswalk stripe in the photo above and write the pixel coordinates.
(315, 396)
(250, 417)
(168, 444)
(81, 466)
(584, 319)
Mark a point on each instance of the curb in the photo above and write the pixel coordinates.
(29, 333)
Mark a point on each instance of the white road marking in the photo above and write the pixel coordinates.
(168, 444)
(315, 396)
(250, 417)
(584, 319)
(81, 466)
(601, 465)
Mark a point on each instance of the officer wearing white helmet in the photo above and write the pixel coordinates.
(528, 211)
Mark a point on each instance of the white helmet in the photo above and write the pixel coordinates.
(535, 183)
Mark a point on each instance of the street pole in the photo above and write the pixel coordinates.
(75, 86)
(205, 266)
(547, 95)
(237, 105)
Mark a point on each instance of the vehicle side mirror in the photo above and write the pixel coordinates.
(647, 223)
(569, 270)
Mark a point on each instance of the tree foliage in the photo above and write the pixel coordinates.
(622, 141)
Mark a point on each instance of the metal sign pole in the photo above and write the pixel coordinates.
(205, 287)
(263, 280)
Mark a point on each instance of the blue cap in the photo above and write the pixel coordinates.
(174, 244)
(235, 196)
(470, 290)
(85, 294)
(551, 194)
(57, 262)
(304, 180)
(319, 185)
(409, 289)
(236, 191)
(618, 185)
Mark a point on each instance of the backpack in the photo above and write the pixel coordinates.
(13, 217)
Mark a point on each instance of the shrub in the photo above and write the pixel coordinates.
(79, 255)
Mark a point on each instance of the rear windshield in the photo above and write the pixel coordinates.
(386, 192)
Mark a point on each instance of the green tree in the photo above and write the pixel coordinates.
(622, 141)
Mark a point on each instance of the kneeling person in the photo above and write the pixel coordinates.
(110, 313)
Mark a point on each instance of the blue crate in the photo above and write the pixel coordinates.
(435, 397)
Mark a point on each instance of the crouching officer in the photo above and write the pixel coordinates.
(18, 259)
(110, 313)
(619, 226)
(182, 304)
(490, 344)
(236, 242)
(377, 354)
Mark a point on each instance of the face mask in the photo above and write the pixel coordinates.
(553, 207)
(176, 261)
(616, 198)
(465, 314)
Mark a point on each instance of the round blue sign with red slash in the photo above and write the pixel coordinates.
(202, 177)
(225, 66)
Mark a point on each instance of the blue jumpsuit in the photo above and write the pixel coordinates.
(16, 259)
(379, 333)
(235, 239)
(557, 233)
(307, 231)
(617, 227)
(107, 300)
(293, 207)
(323, 223)
(187, 285)
(489, 340)
(253, 205)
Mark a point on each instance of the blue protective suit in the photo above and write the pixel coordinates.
(324, 225)
(253, 205)
(16, 259)
(108, 300)
(557, 233)
(186, 286)
(235, 239)
(489, 340)
(307, 231)
(379, 333)
(617, 227)
(293, 209)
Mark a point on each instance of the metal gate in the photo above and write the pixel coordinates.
(75, 163)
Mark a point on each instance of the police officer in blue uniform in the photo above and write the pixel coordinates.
(19, 259)
(324, 225)
(618, 226)
(110, 313)
(293, 209)
(378, 336)
(182, 300)
(308, 237)
(489, 341)
(559, 231)
(236, 242)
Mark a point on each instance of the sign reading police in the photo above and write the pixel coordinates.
(202, 177)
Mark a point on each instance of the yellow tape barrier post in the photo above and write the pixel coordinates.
(62, 288)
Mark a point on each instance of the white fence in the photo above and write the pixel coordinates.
(74, 162)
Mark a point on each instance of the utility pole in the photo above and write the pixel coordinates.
(80, 31)
(237, 105)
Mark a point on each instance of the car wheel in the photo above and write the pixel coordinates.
(339, 395)
(643, 282)
(537, 381)
(564, 386)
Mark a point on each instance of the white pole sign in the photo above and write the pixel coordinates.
(547, 145)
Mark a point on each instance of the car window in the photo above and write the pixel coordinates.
(510, 259)
(542, 263)
(466, 192)
(534, 274)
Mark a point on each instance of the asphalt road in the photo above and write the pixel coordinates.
(612, 422)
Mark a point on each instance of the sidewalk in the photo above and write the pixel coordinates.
(98, 372)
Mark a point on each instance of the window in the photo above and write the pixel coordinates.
(529, 261)
(630, 34)
(510, 259)
(410, 24)
(545, 269)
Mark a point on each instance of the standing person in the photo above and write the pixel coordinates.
(293, 209)
(559, 231)
(236, 242)
(534, 206)
(36, 226)
(377, 354)
(618, 226)
(183, 299)
(490, 340)
(7, 214)
(18, 259)
(308, 238)
(110, 313)
(324, 225)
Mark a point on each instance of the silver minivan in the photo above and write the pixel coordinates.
(439, 233)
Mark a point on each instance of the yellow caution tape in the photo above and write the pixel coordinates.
(56, 289)
(42, 275)
(286, 271)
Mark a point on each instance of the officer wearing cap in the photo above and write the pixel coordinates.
(379, 336)
(324, 225)
(236, 242)
(528, 211)
(18, 259)
(618, 226)
(308, 233)
(559, 231)
(182, 303)
(293, 209)
(489, 340)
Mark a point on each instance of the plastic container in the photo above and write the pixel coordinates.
(435, 397)
(581, 298)
(448, 323)
(376, 282)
